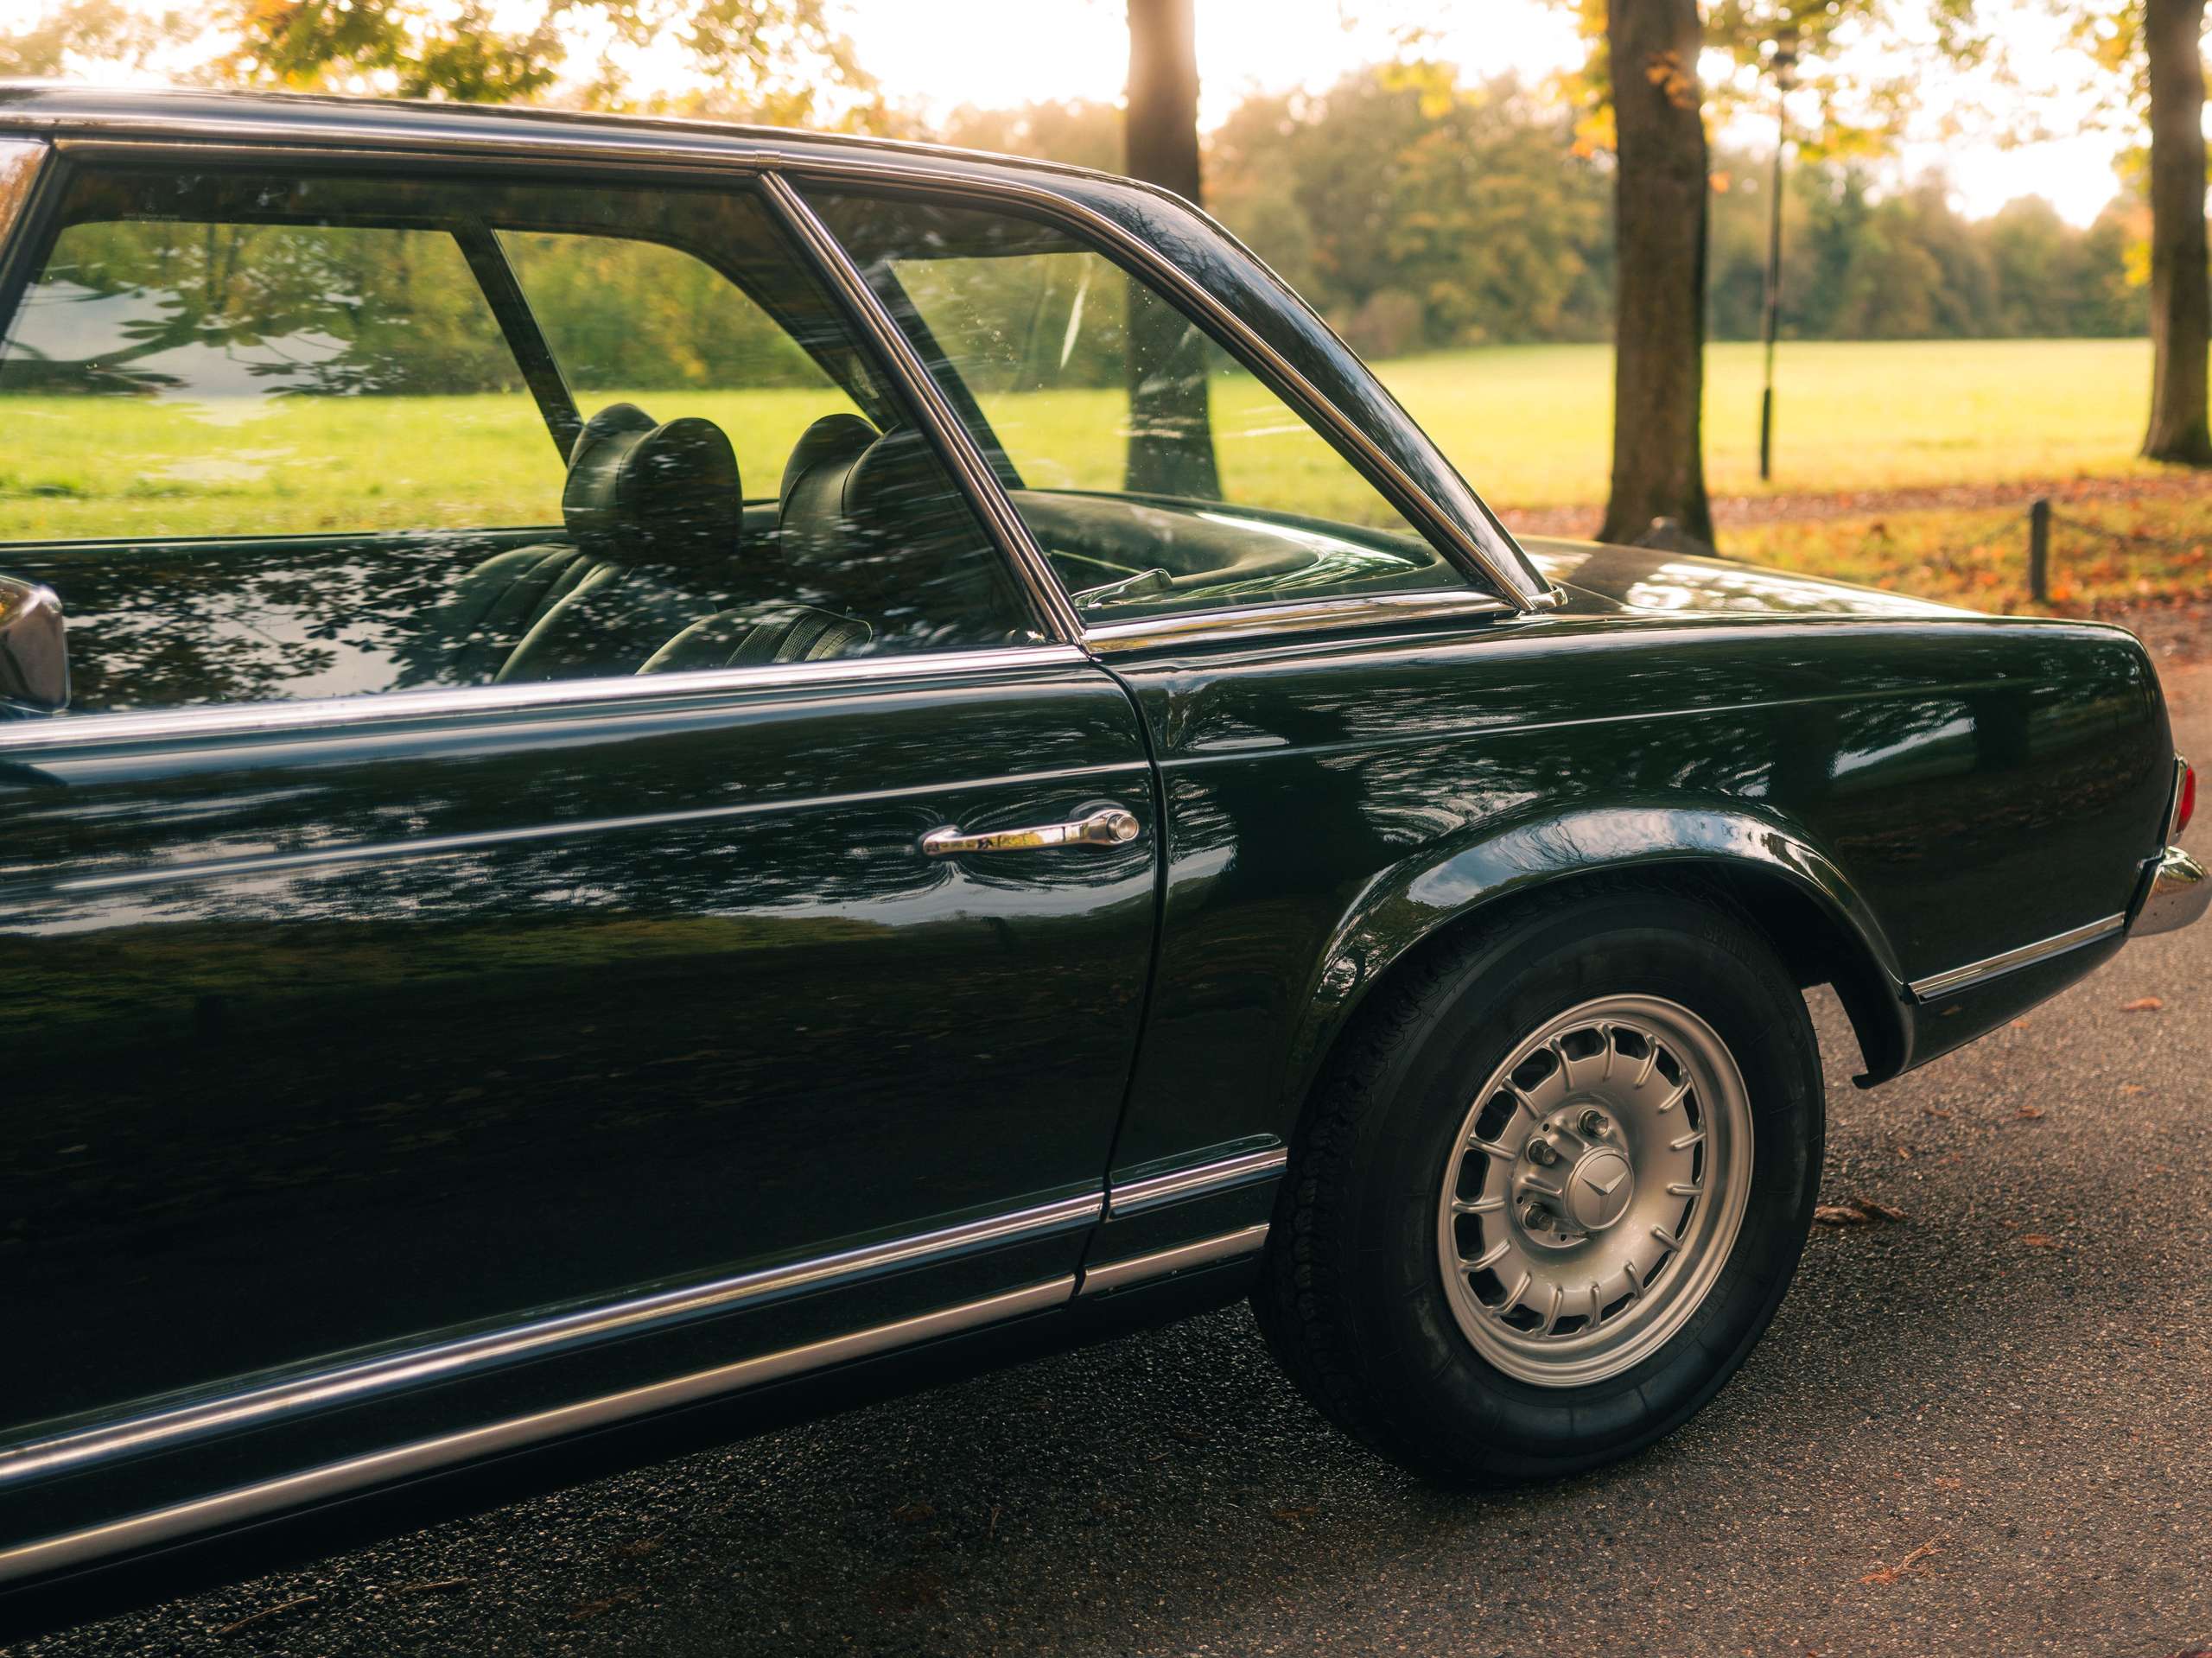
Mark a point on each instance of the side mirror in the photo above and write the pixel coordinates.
(33, 650)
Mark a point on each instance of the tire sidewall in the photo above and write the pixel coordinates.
(1659, 946)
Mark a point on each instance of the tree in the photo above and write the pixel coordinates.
(2181, 301)
(767, 56)
(1659, 201)
(1171, 431)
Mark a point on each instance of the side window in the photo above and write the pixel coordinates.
(275, 437)
(684, 341)
(1157, 475)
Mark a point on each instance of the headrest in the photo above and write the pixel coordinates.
(832, 440)
(652, 494)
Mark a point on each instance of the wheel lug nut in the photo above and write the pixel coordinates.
(1593, 1124)
(1536, 1218)
(1541, 1155)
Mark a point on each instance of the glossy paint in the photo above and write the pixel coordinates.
(1931, 786)
(338, 1036)
(337, 1039)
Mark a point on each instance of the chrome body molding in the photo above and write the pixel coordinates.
(244, 1504)
(1975, 973)
(1133, 1196)
(311, 717)
(1206, 1252)
(346, 1384)
(1295, 617)
(2181, 891)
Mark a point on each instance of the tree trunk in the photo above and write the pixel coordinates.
(1659, 211)
(2181, 292)
(1171, 432)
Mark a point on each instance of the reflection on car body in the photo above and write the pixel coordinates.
(705, 771)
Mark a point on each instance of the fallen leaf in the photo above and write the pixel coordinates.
(2130, 1088)
(2038, 1241)
(2142, 1005)
(1930, 1110)
(426, 1587)
(1892, 1574)
(2033, 1113)
(1859, 1211)
(1944, 1484)
(640, 1548)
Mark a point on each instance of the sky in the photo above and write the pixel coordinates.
(934, 55)
(940, 53)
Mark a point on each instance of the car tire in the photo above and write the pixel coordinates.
(1421, 1148)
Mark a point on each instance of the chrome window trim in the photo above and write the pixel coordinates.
(2011, 961)
(445, 1361)
(67, 733)
(778, 157)
(1205, 1252)
(1135, 1196)
(422, 1457)
(953, 438)
(1294, 617)
(1306, 399)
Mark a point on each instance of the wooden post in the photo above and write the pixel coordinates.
(2039, 552)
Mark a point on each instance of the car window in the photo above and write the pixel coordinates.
(1157, 474)
(274, 436)
(684, 341)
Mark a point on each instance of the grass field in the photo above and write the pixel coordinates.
(1530, 427)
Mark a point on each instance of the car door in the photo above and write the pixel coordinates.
(405, 948)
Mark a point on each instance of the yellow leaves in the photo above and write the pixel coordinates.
(1672, 77)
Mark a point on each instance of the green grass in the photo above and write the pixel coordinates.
(1532, 426)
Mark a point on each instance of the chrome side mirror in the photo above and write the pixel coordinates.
(33, 650)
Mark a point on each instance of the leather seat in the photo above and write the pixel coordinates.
(873, 526)
(760, 638)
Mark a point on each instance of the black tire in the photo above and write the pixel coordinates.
(1352, 1296)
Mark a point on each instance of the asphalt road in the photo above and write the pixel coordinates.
(1985, 1429)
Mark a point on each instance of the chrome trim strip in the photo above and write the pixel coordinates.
(1521, 591)
(1011, 529)
(1135, 1196)
(85, 1547)
(1962, 978)
(1293, 617)
(77, 731)
(345, 1383)
(1138, 1269)
(2179, 894)
(2173, 810)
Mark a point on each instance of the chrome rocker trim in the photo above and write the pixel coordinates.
(1133, 1196)
(2180, 893)
(347, 1383)
(158, 1525)
(1975, 973)
(1228, 1246)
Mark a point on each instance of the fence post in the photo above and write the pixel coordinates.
(2039, 552)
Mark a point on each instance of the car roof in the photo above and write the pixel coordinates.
(59, 107)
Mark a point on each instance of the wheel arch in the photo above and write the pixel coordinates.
(1769, 875)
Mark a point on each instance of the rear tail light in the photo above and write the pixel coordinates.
(2184, 802)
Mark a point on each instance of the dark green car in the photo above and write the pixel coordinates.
(697, 773)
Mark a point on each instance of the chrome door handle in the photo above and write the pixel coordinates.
(1108, 826)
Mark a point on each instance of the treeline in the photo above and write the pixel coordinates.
(1419, 218)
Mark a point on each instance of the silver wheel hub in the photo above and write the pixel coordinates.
(1596, 1189)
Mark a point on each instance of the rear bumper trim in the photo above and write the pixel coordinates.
(2181, 891)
